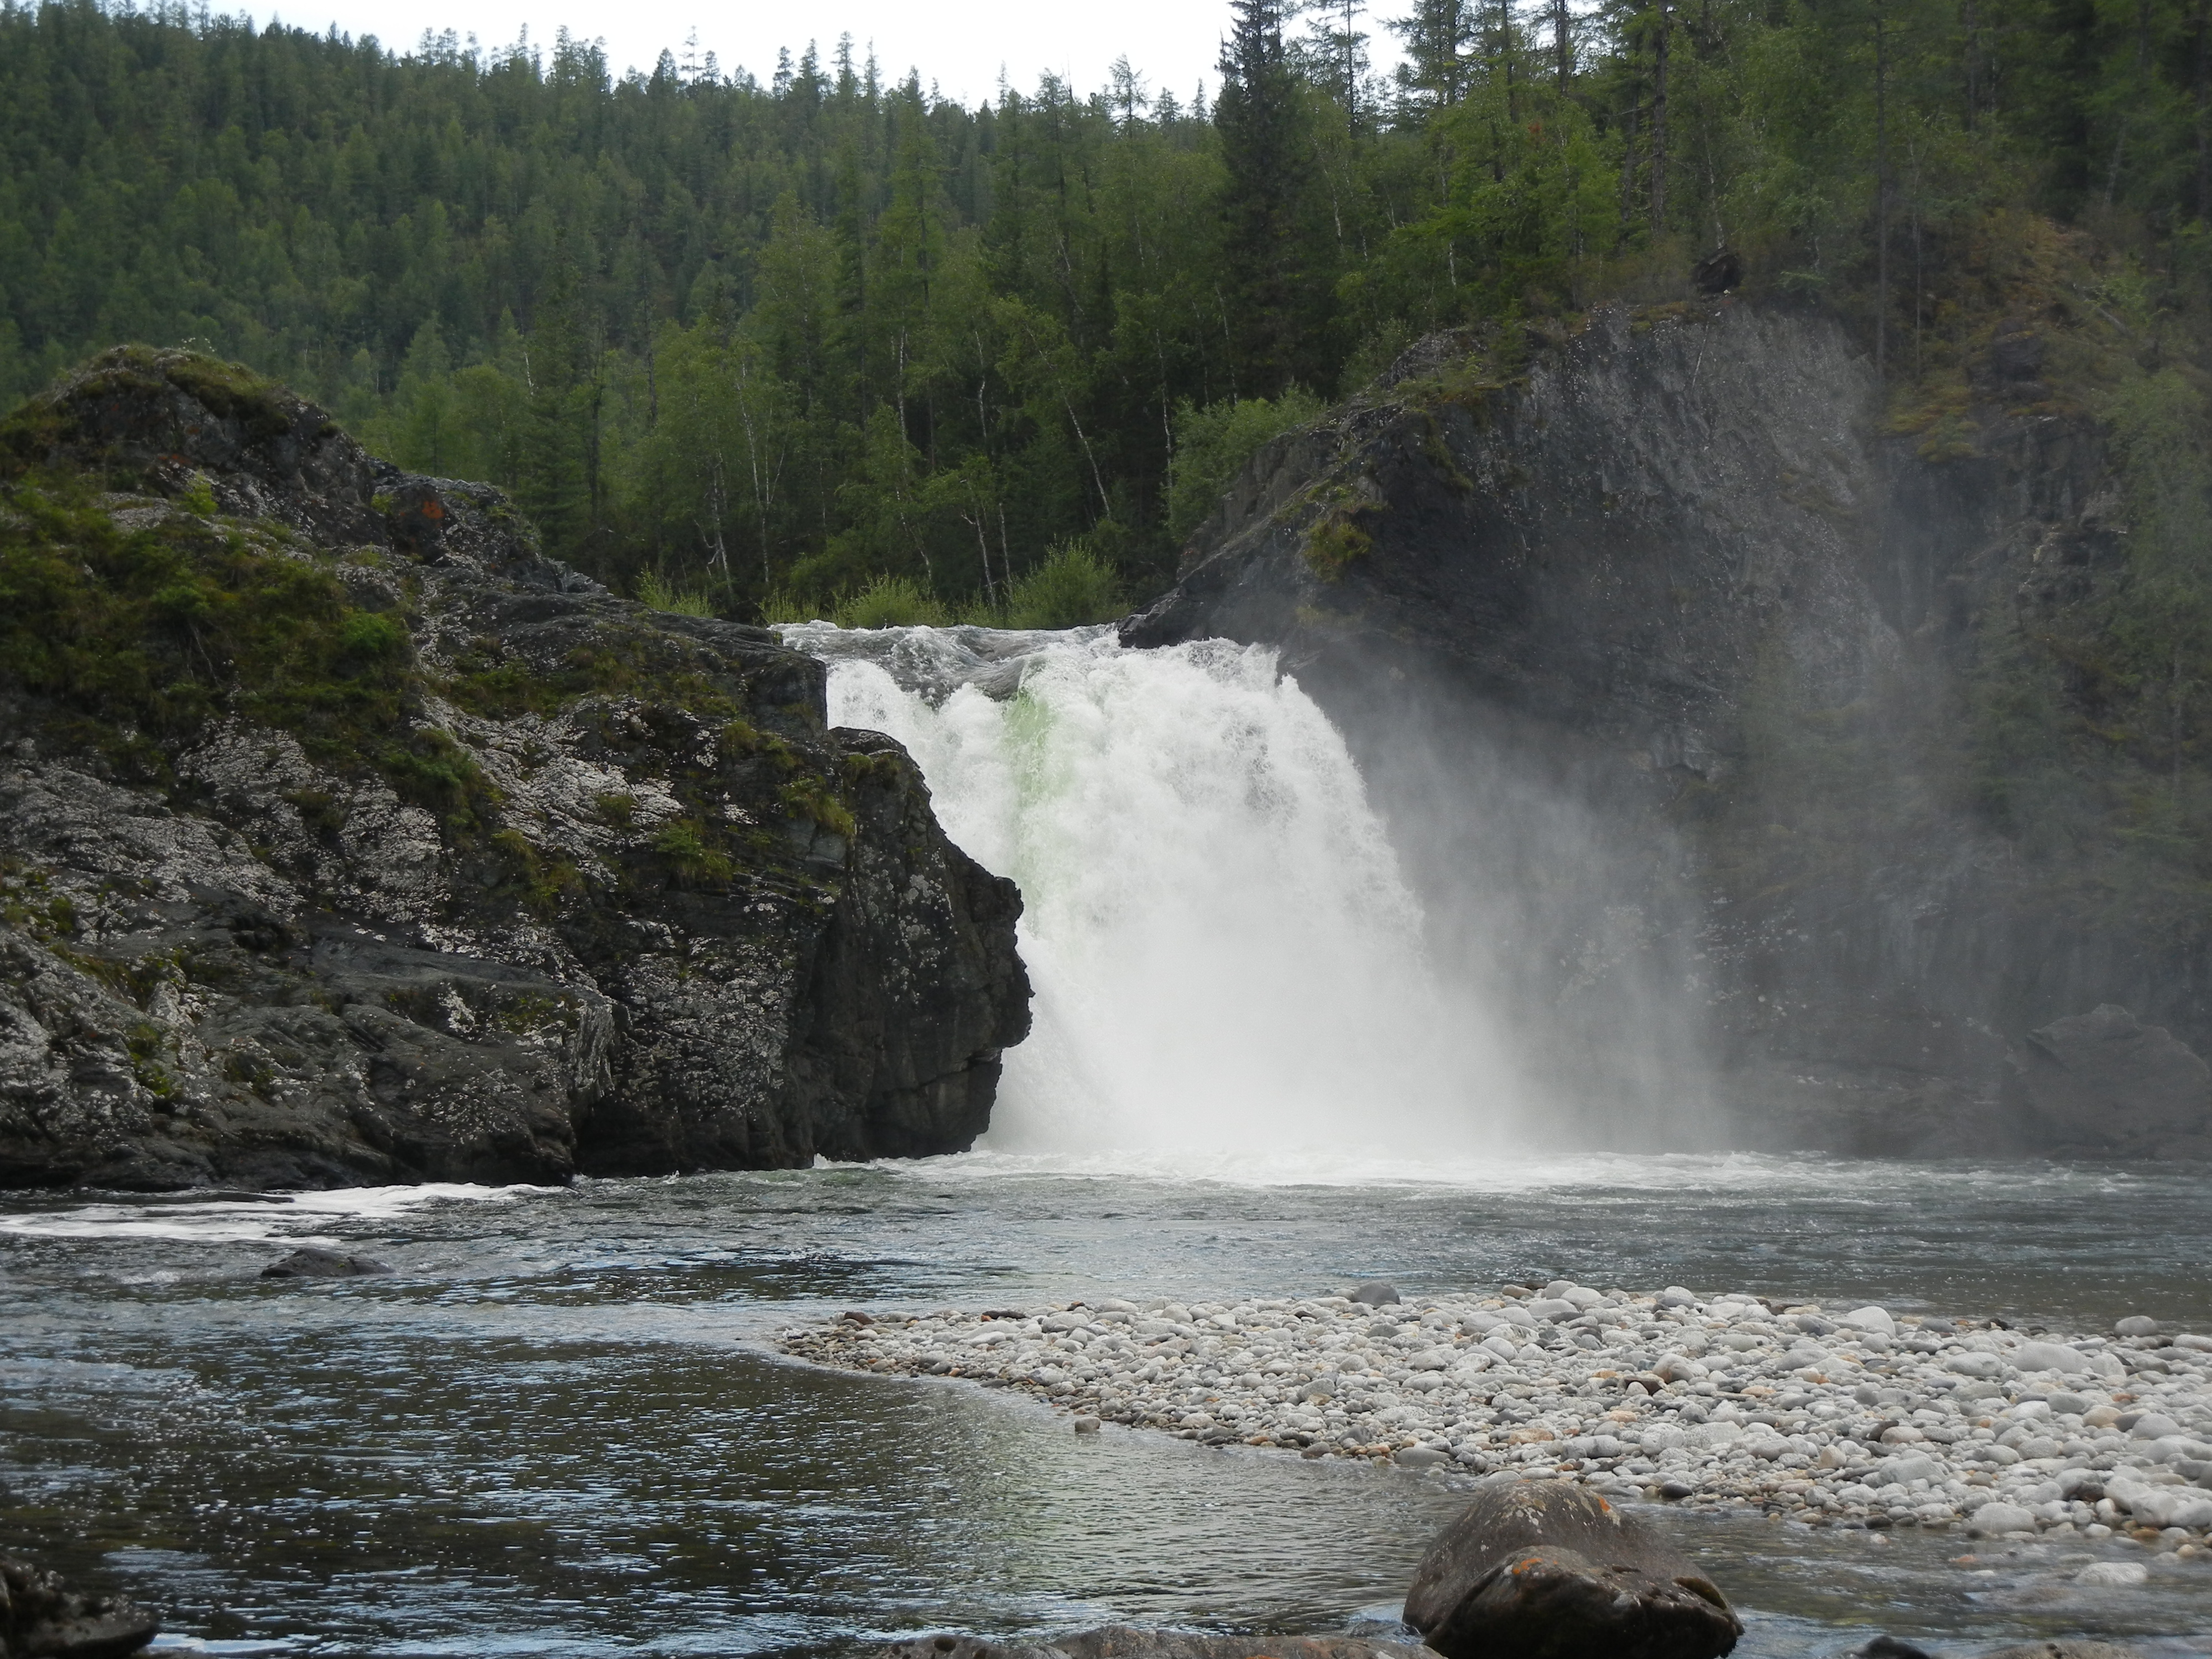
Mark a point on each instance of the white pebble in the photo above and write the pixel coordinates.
(1854, 1417)
(2113, 1575)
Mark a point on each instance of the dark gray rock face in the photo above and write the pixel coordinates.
(2105, 1082)
(1658, 657)
(1548, 1569)
(622, 904)
(40, 1615)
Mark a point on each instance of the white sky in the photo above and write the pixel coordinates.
(961, 46)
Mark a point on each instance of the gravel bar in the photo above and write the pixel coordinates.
(1848, 1418)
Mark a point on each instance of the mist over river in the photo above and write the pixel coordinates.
(556, 1430)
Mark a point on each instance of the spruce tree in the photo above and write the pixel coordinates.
(1436, 34)
(1267, 158)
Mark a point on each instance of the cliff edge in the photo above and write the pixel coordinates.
(344, 838)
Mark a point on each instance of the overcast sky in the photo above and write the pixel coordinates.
(962, 46)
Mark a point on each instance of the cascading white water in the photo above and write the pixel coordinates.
(1225, 958)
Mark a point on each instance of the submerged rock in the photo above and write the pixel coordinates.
(1889, 1647)
(1128, 1641)
(1545, 1570)
(312, 1263)
(40, 1615)
(382, 848)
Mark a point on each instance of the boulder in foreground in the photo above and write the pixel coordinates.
(1547, 1570)
(41, 1615)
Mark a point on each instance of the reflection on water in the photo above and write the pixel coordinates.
(545, 1434)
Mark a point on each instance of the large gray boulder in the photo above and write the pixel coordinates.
(2105, 1082)
(1548, 1569)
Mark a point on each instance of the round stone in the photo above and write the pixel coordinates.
(2112, 1575)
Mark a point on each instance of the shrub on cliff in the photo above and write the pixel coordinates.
(1213, 443)
(1073, 587)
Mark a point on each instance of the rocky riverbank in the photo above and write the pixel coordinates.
(1834, 1416)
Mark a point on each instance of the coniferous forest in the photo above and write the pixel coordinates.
(767, 342)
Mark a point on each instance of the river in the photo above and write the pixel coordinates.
(557, 1429)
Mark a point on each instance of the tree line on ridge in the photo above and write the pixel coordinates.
(774, 346)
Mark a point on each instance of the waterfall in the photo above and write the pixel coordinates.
(1226, 959)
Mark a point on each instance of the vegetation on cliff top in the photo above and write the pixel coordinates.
(134, 615)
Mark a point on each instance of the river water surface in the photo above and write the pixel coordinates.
(558, 1427)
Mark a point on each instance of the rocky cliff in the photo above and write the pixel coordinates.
(345, 839)
(1674, 671)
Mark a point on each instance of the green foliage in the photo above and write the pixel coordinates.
(134, 638)
(779, 605)
(1333, 542)
(786, 337)
(159, 629)
(1212, 444)
(810, 798)
(691, 856)
(1073, 587)
(889, 602)
(655, 591)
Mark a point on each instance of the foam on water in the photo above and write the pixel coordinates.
(248, 1219)
(1226, 959)
(1715, 1174)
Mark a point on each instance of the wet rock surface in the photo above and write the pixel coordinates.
(1654, 619)
(2104, 1082)
(314, 1263)
(1838, 1416)
(582, 886)
(1129, 1642)
(41, 1617)
(1548, 1569)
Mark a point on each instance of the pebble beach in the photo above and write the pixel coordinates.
(1833, 1416)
